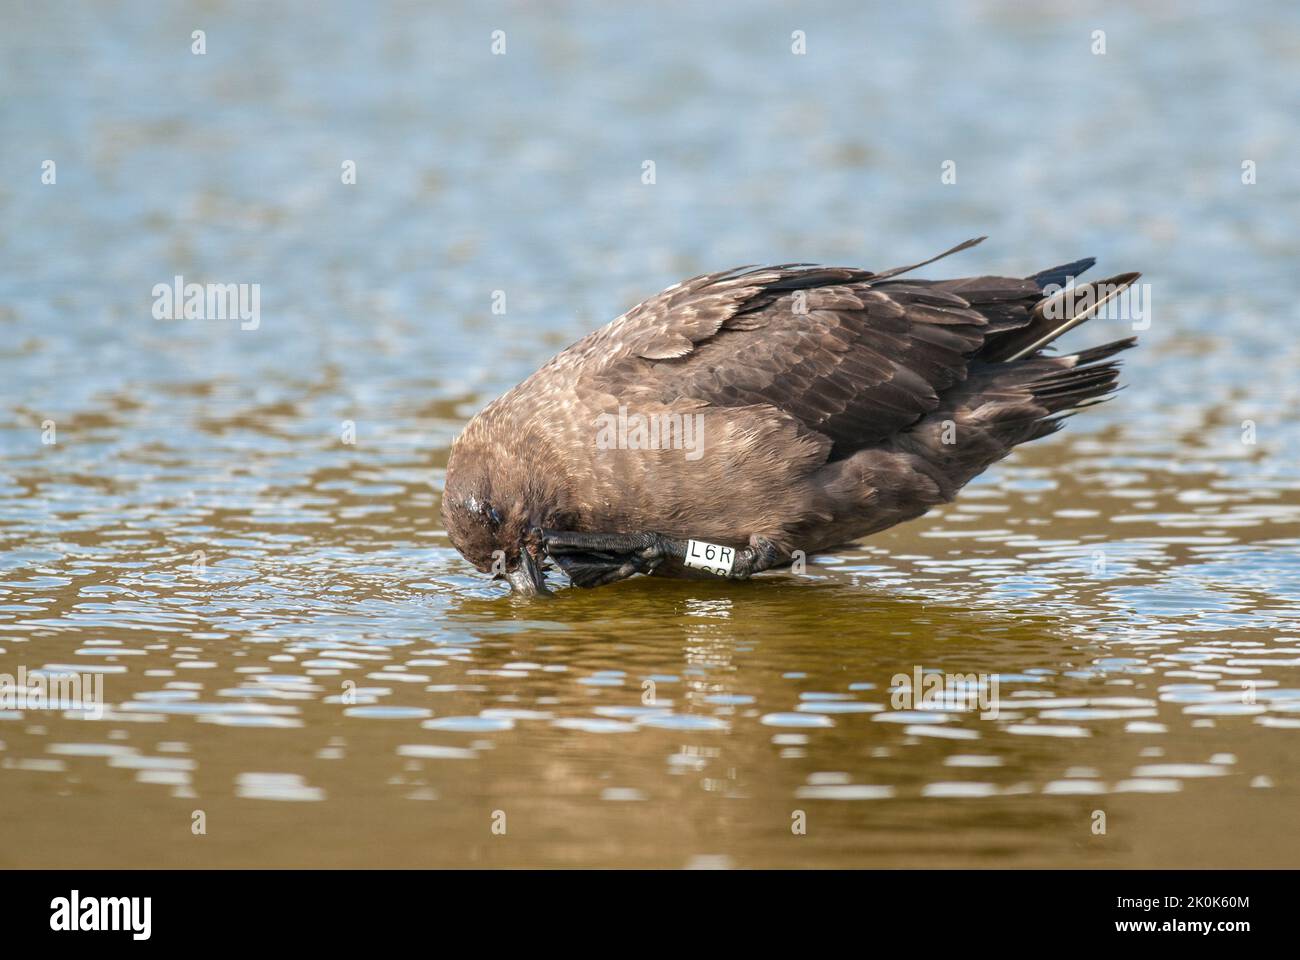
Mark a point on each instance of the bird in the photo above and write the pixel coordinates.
(739, 420)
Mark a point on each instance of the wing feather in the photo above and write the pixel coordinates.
(853, 355)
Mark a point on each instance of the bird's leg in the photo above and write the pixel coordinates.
(595, 559)
(569, 542)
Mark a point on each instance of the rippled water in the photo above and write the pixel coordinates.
(288, 644)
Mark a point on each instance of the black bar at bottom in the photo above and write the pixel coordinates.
(916, 908)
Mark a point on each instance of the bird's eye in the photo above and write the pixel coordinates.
(484, 510)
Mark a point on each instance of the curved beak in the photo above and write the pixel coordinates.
(528, 579)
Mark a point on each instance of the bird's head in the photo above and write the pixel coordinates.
(492, 506)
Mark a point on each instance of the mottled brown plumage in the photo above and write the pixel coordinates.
(835, 403)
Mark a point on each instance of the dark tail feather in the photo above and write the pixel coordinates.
(896, 271)
(1075, 382)
(1055, 315)
(1103, 352)
(1002, 405)
(1059, 276)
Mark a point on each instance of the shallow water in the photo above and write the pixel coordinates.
(288, 644)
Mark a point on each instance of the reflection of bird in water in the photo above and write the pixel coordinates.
(791, 408)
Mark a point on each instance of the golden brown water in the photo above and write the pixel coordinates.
(291, 652)
(1121, 689)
